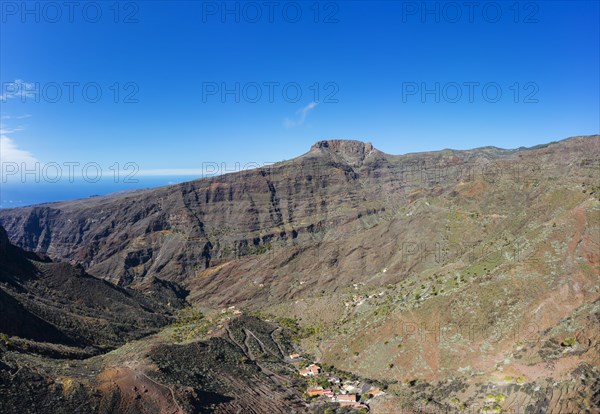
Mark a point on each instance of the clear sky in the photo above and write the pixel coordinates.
(304, 71)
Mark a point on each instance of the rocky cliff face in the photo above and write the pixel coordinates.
(353, 153)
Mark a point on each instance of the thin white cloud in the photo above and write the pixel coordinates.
(6, 131)
(15, 116)
(15, 89)
(301, 115)
(10, 151)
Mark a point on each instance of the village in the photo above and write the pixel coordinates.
(322, 385)
(330, 388)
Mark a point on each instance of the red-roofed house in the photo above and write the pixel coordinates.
(374, 392)
(319, 391)
(346, 398)
(310, 371)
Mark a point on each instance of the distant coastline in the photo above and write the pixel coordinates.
(17, 194)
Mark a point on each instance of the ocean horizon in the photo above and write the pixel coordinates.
(18, 194)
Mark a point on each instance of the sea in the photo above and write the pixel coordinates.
(18, 194)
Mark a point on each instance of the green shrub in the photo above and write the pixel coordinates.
(569, 342)
(4, 339)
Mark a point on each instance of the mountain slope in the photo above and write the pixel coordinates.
(56, 308)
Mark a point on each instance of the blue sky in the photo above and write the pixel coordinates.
(369, 61)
